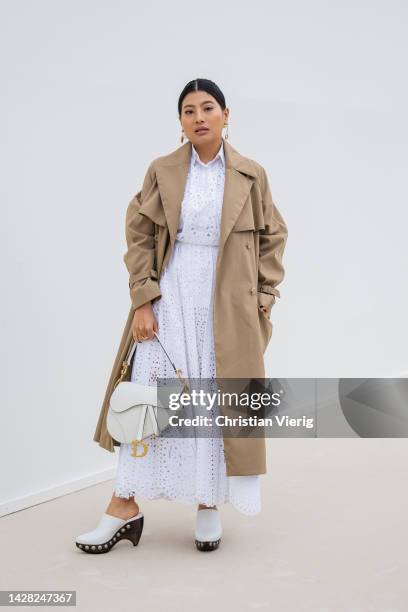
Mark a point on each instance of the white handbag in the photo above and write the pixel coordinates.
(135, 412)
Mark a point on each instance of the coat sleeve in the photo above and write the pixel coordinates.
(140, 254)
(272, 242)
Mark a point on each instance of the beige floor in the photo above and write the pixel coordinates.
(332, 536)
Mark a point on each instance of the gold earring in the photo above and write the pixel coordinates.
(226, 133)
(182, 136)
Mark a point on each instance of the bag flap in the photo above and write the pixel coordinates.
(128, 394)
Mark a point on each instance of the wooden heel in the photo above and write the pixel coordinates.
(135, 531)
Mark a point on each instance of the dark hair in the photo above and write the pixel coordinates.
(202, 85)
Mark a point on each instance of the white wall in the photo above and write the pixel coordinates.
(317, 94)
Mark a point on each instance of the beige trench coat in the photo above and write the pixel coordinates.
(249, 267)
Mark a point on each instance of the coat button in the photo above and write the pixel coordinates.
(248, 246)
(253, 290)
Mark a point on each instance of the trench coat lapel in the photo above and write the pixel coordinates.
(172, 171)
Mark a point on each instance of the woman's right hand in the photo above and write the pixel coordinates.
(144, 323)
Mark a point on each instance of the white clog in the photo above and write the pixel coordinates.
(208, 529)
(109, 531)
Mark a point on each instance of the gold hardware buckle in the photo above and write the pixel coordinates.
(134, 444)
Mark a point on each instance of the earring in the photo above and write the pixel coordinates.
(182, 136)
(226, 133)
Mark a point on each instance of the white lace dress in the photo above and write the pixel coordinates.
(187, 470)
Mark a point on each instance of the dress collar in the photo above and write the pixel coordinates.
(195, 159)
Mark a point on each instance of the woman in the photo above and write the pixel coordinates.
(205, 246)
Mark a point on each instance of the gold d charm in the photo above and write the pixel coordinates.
(134, 444)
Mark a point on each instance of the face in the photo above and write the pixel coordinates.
(201, 110)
